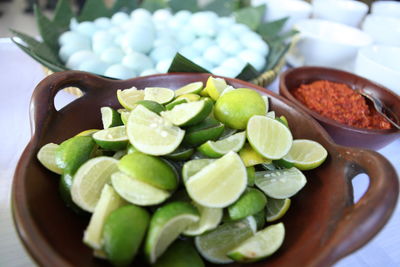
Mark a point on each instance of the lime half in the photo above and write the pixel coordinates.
(128, 98)
(276, 208)
(191, 88)
(210, 218)
(216, 149)
(187, 114)
(47, 156)
(214, 87)
(160, 95)
(114, 138)
(192, 167)
(306, 154)
(110, 117)
(249, 203)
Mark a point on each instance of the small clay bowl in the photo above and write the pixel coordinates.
(341, 133)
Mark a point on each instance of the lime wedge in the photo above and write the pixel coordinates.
(149, 169)
(219, 184)
(160, 95)
(47, 156)
(114, 138)
(109, 201)
(110, 117)
(251, 175)
(276, 208)
(227, 89)
(251, 202)
(128, 98)
(306, 154)
(180, 254)
(152, 105)
(263, 244)
(188, 113)
(90, 179)
(167, 223)
(176, 102)
(210, 218)
(250, 157)
(269, 137)
(216, 149)
(180, 154)
(266, 101)
(152, 134)
(123, 232)
(280, 184)
(209, 129)
(89, 132)
(191, 88)
(192, 167)
(189, 97)
(136, 191)
(271, 114)
(215, 244)
(214, 87)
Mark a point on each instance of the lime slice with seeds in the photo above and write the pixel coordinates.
(219, 184)
(261, 130)
(191, 88)
(263, 244)
(167, 223)
(210, 218)
(109, 201)
(89, 181)
(47, 156)
(306, 154)
(160, 95)
(216, 149)
(250, 157)
(176, 102)
(137, 192)
(208, 129)
(129, 97)
(276, 208)
(280, 184)
(110, 117)
(214, 245)
(251, 202)
(181, 253)
(152, 134)
(188, 114)
(123, 232)
(152, 106)
(214, 87)
(114, 138)
(192, 167)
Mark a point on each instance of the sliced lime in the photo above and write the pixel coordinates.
(209, 129)
(250, 157)
(276, 208)
(215, 86)
(192, 167)
(114, 138)
(171, 105)
(181, 253)
(189, 97)
(124, 115)
(89, 132)
(128, 98)
(181, 153)
(271, 114)
(306, 154)
(266, 101)
(160, 95)
(110, 117)
(210, 218)
(47, 156)
(216, 149)
(251, 175)
(188, 114)
(152, 105)
(280, 184)
(251, 202)
(191, 88)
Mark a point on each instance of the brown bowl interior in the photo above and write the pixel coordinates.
(318, 230)
(341, 133)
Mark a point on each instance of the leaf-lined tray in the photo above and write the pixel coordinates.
(46, 50)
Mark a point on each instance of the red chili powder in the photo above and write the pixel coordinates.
(339, 102)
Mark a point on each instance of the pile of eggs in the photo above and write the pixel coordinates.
(138, 44)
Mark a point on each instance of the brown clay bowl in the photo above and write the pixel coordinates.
(341, 133)
(322, 225)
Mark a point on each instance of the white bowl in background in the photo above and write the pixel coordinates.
(380, 63)
(383, 30)
(386, 8)
(348, 12)
(329, 44)
(276, 9)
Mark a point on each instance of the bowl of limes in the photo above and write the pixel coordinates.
(189, 169)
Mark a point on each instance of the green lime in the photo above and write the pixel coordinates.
(250, 157)
(167, 223)
(235, 108)
(152, 106)
(261, 130)
(209, 129)
(180, 254)
(159, 94)
(123, 232)
(276, 208)
(210, 218)
(64, 188)
(220, 183)
(215, 244)
(214, 87)
(189, 97)
(109, 201)
(89, 132)
(128, 98)
(136, 191)
(280, 184)
(251, 175)
(192, 167)
(114, 138)
(180, 154)
(110, 117)
(216, 149)
(47, 156)
(191, 88)
(251, 202)
(306, 154)
(152, 134)
(188, 114)
(176, 102)
(263, 244)
(260, 218)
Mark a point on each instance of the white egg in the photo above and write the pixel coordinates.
(233, 48)
(225, 72)
(186, 36)
(183, 16)
(203, 63)
(99, 47)
(255, 59)
(141, 14)
(67, 50)
(72, 37)
(137, 62)
(138, 40)
(161, 15)
(94, 66)
(202, 43)
(234, 63)
(86, 28)
(119, 71)
(73, 23)
(79, 57)
(102, 36)
(162, 52)
(163, 65)
(204, 24)
(115, 31)
(103, 23)
(165, 41)
(149, 72)
(225, 38)
(214, 54)
(239, 29)
(257, 45)
(119, 18)
(225, 22)
(189, 52)
(112, 55)
(174, 25)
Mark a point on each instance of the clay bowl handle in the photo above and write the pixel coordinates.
(362, 220)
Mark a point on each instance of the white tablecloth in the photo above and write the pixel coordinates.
(19, 75)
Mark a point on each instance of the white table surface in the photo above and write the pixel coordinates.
(19, 75)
